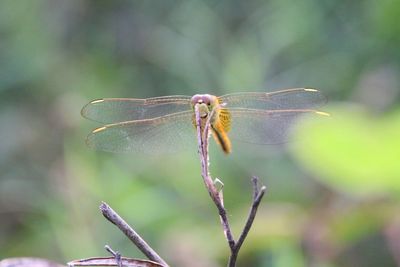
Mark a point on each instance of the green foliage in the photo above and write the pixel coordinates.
(354, 151)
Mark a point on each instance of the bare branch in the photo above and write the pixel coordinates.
(256, 187)
(139, 242)
(258, 193)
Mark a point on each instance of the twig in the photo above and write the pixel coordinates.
(203, 136)
(258, 195)
(116, 254)
(139, 242)
(256, 189)
(217, 196)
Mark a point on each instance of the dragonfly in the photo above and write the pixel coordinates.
(167, 124)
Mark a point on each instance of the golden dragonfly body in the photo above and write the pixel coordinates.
(220, 121)
(166, 124)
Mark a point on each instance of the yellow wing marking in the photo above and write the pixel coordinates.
(322, 113)
(97, 101)
(99, 129)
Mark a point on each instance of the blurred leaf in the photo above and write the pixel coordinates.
(352, 151)
(384, 17)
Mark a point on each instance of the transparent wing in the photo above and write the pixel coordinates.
(296, 98)
(112, 110)
(160, 135)
(265, 126)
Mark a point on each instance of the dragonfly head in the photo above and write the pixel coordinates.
(205, 103)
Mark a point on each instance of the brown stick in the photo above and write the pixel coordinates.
(139, 242)
(257, 196)
(203, 137)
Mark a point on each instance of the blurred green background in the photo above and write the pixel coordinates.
(332, 195)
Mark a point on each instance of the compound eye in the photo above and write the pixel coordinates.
(196, 99)
(206, 100)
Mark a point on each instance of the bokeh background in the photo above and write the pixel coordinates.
(333, 195)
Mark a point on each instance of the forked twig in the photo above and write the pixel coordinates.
(217, 196)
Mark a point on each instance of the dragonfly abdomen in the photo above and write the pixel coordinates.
(221, 137)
